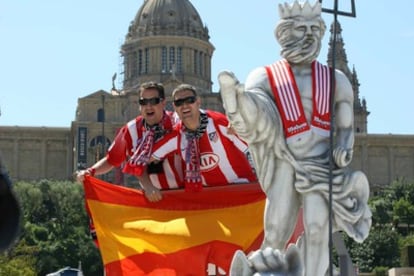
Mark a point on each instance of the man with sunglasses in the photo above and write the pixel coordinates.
(134, 142)
(211, 155)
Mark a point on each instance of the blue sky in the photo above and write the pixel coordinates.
(54, 52)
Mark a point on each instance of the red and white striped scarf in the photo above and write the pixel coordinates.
(192, 181)
(142, 154)
(288, 100)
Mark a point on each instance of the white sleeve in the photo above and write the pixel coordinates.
(165, 148)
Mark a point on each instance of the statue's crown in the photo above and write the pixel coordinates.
(297, 9)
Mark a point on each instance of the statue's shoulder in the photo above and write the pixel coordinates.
(257, 79)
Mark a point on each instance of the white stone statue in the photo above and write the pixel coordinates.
(283, 112)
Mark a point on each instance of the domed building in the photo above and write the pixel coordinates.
(168, 42)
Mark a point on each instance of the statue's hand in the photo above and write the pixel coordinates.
(229, 87)
(342, 156)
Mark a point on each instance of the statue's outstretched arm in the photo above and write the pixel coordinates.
(248, 107)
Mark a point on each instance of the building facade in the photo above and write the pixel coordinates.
(167, 42)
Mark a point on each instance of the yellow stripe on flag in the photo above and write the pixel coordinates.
(124, 231)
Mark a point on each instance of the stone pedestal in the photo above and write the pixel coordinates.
(401, 271)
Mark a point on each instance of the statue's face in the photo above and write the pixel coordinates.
(307, 34)
(304, 42)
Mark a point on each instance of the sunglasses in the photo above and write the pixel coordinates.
(187, 100)
(151, 101)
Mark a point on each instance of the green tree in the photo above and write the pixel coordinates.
(381, 208)
(402, 189)
(403, 213)
(391, 207)
(381, 248)
(54, 229)
(20, 265)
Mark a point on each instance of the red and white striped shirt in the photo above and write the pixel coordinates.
(223, 157)
(129, 138)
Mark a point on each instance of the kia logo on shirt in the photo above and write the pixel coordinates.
(208, 161)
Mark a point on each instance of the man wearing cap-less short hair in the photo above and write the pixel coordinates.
(134, 142)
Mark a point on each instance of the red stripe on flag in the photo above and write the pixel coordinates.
(191, 261)
(224, 196)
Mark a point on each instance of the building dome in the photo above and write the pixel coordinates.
(167, 42)
(167, 18)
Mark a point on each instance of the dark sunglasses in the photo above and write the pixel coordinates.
(187, 100)
(151, 101)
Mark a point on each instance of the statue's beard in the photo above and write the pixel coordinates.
(302, 51)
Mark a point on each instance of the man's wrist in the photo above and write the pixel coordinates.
(91, 171)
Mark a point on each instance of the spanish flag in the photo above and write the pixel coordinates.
(183, 234)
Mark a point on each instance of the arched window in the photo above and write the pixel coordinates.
(98, 146)
(99, 140)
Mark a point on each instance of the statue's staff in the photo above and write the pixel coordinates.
(335, 11)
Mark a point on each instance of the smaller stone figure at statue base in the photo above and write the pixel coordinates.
(268, 262)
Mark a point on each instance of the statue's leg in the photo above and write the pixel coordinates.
(317, 234)
(282, 206)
